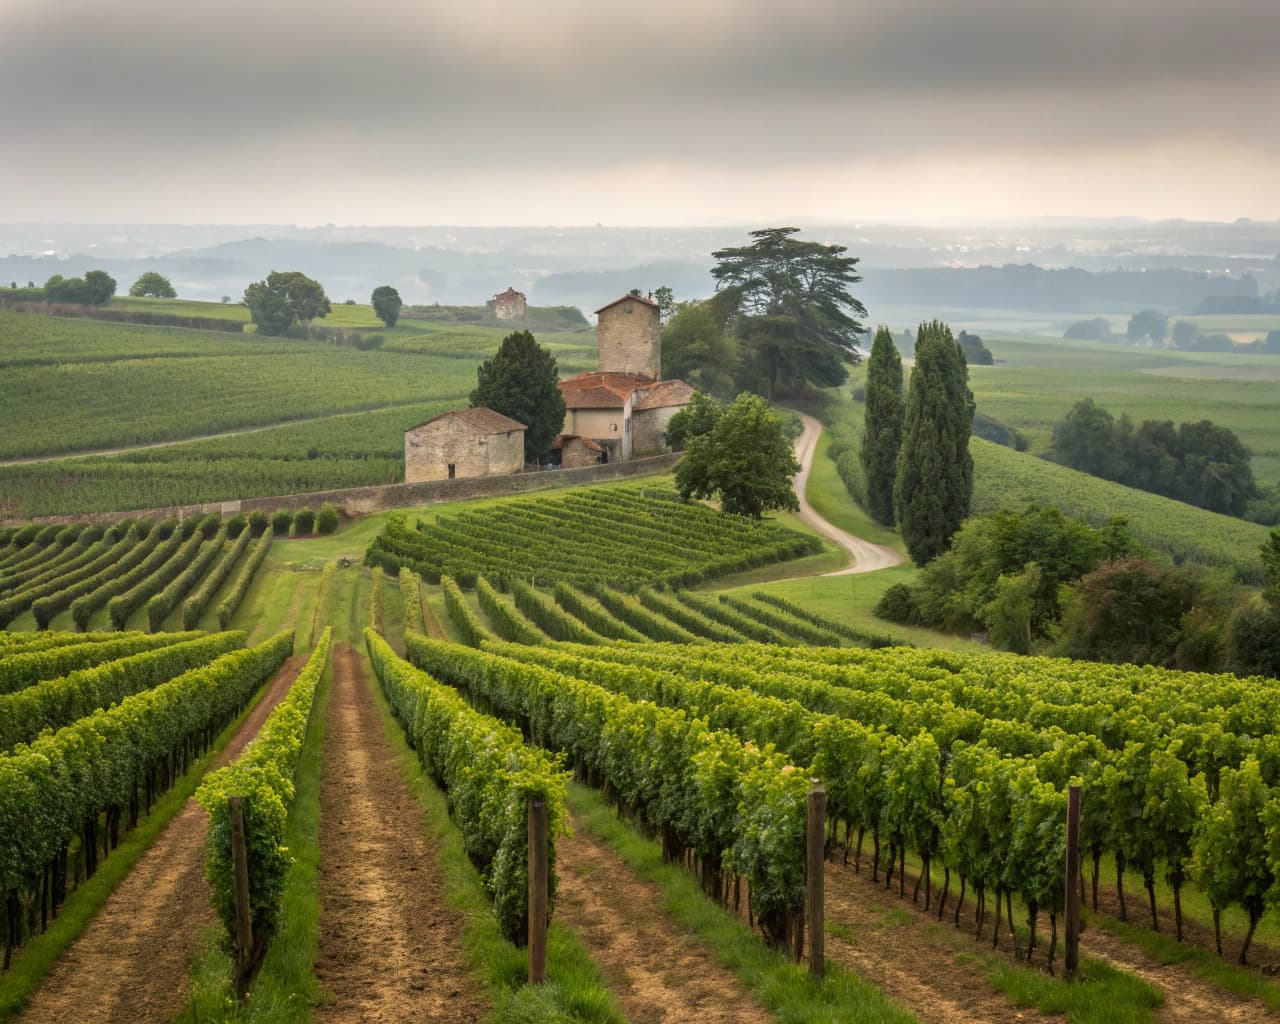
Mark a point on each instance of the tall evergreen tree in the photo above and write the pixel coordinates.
(935, 470)
(882, 433)
(521, 381)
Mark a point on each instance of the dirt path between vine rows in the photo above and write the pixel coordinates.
(926, 966)
(390, 950)
(130, 962)
(867, 557)
(1187, 998)
(660, 973)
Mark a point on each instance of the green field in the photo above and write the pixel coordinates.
(78, 385)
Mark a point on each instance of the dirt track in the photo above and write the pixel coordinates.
(390, 950)
(659, 973)
(130, 962)
(867, 557)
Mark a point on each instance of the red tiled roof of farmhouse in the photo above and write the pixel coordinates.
(599, 389)
(510, 293)
(663, 394)
(627, 298)
(481, 418)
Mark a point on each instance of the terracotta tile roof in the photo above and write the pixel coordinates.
(510, 293)
(627, 298)
(663, 394)
(564, 439)
(480, 418)
(601, 389)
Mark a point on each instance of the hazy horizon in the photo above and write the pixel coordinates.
(711, 114)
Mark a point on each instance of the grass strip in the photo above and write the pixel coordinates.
(784, 988)
(574, 991)
(1230, 977)
(41, 952)
(285, 988)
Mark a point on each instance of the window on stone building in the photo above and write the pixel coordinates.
(452, 470)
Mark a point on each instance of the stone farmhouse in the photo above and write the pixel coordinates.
(508, 305)
(611, 414)
(623, 407)
(462, 443)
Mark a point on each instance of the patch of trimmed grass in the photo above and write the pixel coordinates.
(785, 988)
(1102, 995)
(40, 953)
(284, 989)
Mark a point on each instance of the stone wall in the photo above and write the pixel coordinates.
(357, 501)
(430, 449)
(629, 339)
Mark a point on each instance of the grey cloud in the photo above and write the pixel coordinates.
(448, 86)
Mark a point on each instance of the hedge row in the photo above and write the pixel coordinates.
(124, 604)
(54, 703)
(468, 623)
(232, 601)
(193, 607)
(263, 775)
(52, 596)
(692, 620)
(507, 622)
(18, 671)
(160, 605)
(596, 619)
(92, 594)
(860, 636)
(634, 614)
(550, 617)
(50, 790)
(411, 592)
(752, 629)
(489, 775)
(788, 625)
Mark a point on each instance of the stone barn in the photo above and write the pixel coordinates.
(629, 337)
(462, 443)
(508, 305)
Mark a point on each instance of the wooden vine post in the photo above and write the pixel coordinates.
(538, 881)
(814, 877)
(1072, 914)
(240, 886)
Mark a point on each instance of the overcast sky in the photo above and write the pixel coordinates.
(666, 112)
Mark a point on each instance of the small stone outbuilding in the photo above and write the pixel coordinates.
(575, 452)
(462, 443)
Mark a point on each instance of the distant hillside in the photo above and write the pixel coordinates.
(536, 318)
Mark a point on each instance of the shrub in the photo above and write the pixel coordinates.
(366, 342)
(281, 520)
(236, 525)
(304, 522)
(258, 522)
(898, 604)
(327, 520)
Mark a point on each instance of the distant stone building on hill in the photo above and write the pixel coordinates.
(508, 305)
(622, 407)
(462, 443)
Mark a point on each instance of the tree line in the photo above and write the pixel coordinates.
(1201, 463)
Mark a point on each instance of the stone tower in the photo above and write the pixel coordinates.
(629, 337)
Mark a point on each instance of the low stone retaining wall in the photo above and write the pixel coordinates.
(358, 501)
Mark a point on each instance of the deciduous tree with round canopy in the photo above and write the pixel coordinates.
(153, 285)
(386, 304)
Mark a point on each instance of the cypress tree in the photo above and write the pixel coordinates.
(935, 470)
(882, 433)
